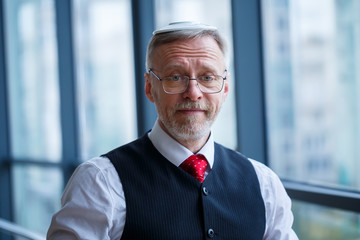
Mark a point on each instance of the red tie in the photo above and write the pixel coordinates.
(195, 165)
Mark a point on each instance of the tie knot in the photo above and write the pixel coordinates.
(195, 165)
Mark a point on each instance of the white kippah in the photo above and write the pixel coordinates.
(177, 26)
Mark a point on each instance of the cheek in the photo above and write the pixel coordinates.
(164, 102)
(215, 103)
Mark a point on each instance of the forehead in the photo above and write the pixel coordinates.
(203, 50)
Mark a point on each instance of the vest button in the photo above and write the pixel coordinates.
(205, 191)
(210, 233)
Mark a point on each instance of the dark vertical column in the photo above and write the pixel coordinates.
(143, 26)
(5, 174)
(67, 84)
(249, 84)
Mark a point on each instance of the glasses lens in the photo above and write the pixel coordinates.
(175, 84)
(210, 84)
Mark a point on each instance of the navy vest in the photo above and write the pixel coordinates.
(165, 202)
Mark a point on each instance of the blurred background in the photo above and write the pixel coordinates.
(71, 88)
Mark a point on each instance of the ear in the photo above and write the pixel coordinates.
(226, 86)
(148, 87)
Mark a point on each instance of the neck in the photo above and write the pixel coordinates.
(193, 144)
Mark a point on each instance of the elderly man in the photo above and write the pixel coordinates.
(175, 182)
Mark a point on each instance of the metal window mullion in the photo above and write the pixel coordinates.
(249, 93)
(325, 196)
(67, 85)
(143, 25)
(6, 206)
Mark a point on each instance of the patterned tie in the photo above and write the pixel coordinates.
(195, 165)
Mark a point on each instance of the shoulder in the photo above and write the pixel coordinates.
(97, 164)
(97, 174)
(262, 170)
(92, 197)
(270, 183)
(99, 167)
(272, 189)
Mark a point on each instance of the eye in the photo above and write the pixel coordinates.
(175, 78)
(207, 78)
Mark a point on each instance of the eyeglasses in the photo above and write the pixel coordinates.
(179, 83)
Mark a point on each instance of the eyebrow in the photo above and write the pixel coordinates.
(177, 65)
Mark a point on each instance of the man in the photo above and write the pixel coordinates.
(175, 182)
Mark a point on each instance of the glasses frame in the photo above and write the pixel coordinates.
(196, 79)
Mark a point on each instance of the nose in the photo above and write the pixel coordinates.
(193, 91)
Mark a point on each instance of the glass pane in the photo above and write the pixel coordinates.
(105, 75)
(37, 192)
(312, 73)
(33, 79)
(322, 223)
(217, 13)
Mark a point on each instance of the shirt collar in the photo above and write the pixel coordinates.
(174, 151)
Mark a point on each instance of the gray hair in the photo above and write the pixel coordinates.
(168, 37)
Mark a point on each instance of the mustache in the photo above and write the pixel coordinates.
(191, 105)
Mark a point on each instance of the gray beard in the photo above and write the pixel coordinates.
(191, 129)
(184, 132)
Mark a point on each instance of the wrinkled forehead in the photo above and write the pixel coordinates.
(200, 48)
(200, 53)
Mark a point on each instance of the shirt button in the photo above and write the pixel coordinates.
(210, 233)
(205, 191)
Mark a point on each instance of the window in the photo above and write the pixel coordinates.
(34, 109)
(33, 82)
(216, 13)
(323, 223)
(317, 118)
(37, 193)
(312, 100)
(105, 75)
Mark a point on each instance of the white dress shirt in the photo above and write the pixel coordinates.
(94, 207)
